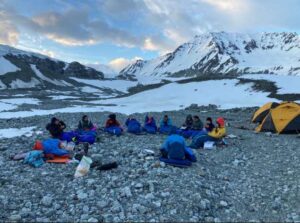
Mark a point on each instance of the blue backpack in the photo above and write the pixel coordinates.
(34, 158)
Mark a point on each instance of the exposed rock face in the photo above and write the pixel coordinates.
(40, 72)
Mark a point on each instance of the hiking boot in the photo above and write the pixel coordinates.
(86, 148)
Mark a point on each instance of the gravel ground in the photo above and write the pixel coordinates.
(255, 178)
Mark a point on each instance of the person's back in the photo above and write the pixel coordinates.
(175, 147)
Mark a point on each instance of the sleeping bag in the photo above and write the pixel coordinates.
(189, 133)
(114, 130)
(51, 147)
(199, 140)
(133, 126)
(68, 136)
(150, 125)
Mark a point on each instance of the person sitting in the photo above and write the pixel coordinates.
(197, 123)
(150, 125)
(209, 126)
(188, 124)
(175, 152)
(187, 128)
(112, 125)
(85, 124)
(216, 134)
(52, 148)
(166, 126)
(133, 126)
(56, 128)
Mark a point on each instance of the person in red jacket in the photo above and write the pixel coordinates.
(112, 125)
(112, 121)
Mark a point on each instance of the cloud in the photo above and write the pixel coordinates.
(118, 64)
(151, 25)
(9, 33)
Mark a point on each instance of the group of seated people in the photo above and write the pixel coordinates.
(193, 128)
(173, 149)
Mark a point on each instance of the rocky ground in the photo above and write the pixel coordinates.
(255, 178)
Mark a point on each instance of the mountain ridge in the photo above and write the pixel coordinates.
(225, 53)
(23, 69)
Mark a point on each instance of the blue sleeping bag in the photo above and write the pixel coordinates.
(86, 136)
(174, 148)
(150, 125)
(114, 130)
(199, 140)
(189, 133)
(178, 163)
(51, 147)
(133, 126)
(150, 129)
(68, 136)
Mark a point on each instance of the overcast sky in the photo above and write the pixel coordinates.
(116, 32)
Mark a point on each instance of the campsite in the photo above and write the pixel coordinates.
(149, 111)
(254, 177)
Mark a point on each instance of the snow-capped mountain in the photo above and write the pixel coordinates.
(225, 53)
(21, 69)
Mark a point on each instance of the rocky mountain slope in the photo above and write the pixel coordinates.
(20, 70)
(225, 53)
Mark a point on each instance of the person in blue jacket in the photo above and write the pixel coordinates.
(133, 126)
(166, 126)
(150, 125)
(174, 151)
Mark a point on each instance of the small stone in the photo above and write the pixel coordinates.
(15, 217)
(157, 204)
(138, 186)
(85, 209)
(93, 220)
(174, 211)
(149, 196)
(165, 194)
(102, 204)
(127, 192)
(162, 164)
(47, 201)
(116, 208)
(223, 203)
(82, 196)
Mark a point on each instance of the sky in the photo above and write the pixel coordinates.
(118, 32)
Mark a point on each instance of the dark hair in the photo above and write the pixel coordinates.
(196, 116)
(54, 119)
(209, 119)
(112, 116)
(166, 116)
(83, 117)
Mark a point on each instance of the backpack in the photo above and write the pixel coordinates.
(34, 158)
